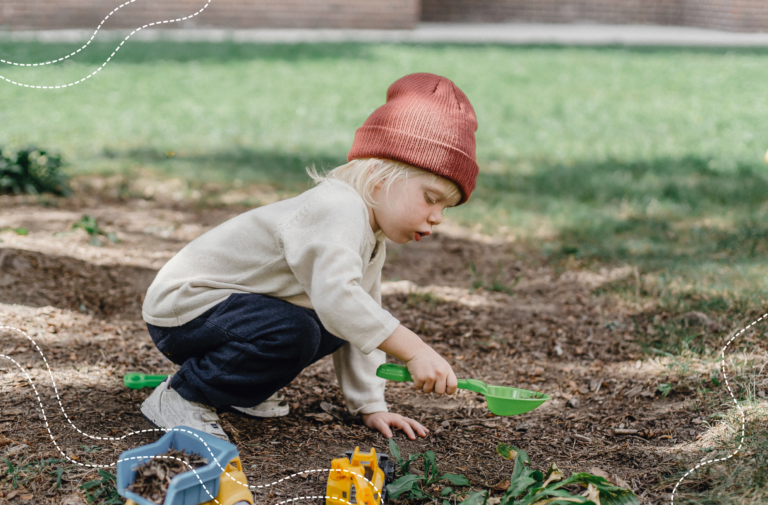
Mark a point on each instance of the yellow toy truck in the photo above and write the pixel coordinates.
(360, 478)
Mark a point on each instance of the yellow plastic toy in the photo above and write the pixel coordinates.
(231, 488)
(347, 480)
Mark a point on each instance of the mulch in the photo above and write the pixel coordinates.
(551, 334)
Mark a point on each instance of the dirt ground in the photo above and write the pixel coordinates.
(81, 306)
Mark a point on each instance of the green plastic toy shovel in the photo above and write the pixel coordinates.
(135, 380)
(501, 400)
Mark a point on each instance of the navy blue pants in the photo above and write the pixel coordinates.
(243, 350)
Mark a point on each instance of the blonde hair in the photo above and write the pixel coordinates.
(365, 173)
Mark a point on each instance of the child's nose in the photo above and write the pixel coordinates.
(435, 218)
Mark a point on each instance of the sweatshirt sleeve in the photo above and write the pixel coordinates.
(363, 390)
(323, 243)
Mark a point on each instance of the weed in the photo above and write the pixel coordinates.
(32, 171)
(102, 489)
(415, 485)
(527, 486)
(18, 231)
(22, 473)
(89, 224)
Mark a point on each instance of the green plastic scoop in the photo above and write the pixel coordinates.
(135, 380)
(501, 400)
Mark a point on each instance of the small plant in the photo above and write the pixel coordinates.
(102, 489)
(32, 171)
(415, 485)
(529, 487)
(526, 485)
(664, 389)
(89, 224)
(20, 475)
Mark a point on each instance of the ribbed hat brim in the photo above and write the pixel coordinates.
(442, 159)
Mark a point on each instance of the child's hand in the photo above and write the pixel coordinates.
(429, 371)
(383, 420)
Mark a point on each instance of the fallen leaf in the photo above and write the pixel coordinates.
(336, 411)
(16, 449)
(72, 499)
(27, 497)
(12, 412)
(321, 416)
(600, 473)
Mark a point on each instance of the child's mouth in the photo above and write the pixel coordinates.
(418, 236)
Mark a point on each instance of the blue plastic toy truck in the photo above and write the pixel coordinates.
(221, 479)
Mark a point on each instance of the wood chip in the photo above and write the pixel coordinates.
(154, 476)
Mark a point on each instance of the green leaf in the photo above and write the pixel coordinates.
(108, 476)
(621, 497)
(519, 486)
(445, 492)
(89, 224)
(521, 460)
(417, 494)
(407, 463)
(90, 484)
(394, 450)
(476, 498)
(565, 501)
(664, 389)
(403, 484)
(59, 473)
(430, 467)
(609, 494)
(21, 231)
(506, 451)
(112, 237)
(10, 465)
(524, 484)
(446, 502)
(457, 480)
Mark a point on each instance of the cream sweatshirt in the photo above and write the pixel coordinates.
(316, 250)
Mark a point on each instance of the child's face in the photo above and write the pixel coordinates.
(410, 209)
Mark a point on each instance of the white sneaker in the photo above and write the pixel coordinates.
(274, 406)
(165, 409)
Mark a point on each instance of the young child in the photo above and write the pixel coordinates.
(245, 307)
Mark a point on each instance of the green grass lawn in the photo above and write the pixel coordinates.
(649, 156)
(595, 156)
(653, 157)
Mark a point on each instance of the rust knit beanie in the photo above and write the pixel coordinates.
(428, 123)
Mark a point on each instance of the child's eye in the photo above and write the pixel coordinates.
(428, 199)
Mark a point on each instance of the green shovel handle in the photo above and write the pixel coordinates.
(135, 380)
(399, 373)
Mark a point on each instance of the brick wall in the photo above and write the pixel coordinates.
(732, 15)
(64, 14)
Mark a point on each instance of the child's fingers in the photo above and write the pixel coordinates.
(420, 429)
(452, 383)
(428, 386)
(402, 423)
(383, 427)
